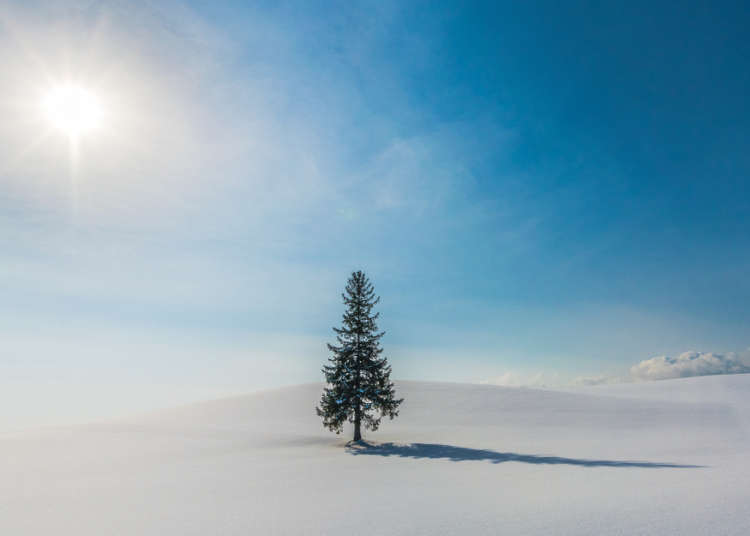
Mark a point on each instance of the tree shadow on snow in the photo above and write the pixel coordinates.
(459, 454)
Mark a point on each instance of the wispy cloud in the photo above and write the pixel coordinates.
(600, 379)
(516, 379)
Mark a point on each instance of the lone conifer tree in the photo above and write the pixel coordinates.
(359, 385)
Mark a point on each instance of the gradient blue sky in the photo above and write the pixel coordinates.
(534, 188)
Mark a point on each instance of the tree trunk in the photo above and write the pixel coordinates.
(358, 407)
(357, 433)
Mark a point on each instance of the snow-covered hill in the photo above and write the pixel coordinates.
(669, 457)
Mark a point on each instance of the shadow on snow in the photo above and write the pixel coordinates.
(459, 454)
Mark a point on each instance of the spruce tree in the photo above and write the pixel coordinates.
(359, 388)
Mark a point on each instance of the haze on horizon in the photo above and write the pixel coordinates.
(538, 193)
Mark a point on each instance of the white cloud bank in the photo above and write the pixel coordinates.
(690, 364)
(661, 367)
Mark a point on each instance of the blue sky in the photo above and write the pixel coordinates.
(534, 188)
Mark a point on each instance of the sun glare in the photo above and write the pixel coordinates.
(72, 109)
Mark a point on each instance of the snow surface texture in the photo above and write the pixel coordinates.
(670, 457)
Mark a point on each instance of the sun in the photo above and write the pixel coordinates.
(72, 109)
